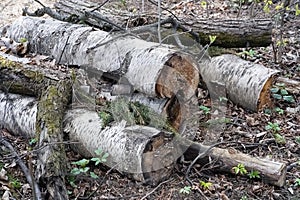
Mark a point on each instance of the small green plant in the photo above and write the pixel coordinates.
(254, 174)
(105, 117)
(244, 197)
(102, 157)
(185, 190)
(273, 127)
(267, 5)
(279, 138)
(205, 109)
(82, 166)
(33, 141)
(297, 182)
(15, 183)
(212, 38)
(279, 92)
(279, 110)
(240, 169)
(250, 53)
(205, 185)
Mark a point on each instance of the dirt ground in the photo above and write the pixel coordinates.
(246, 129)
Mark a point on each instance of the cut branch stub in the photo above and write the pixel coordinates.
(246, 83)
(142, 63)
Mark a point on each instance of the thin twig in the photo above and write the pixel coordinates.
(159, 20)
(98, 7)
(144, 197)
(30, 180)
(200, 155)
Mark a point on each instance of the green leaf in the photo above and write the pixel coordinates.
(283, 92)
(96, 160)
(297, 182)
(205, 185)
(277, 96)
(185, 190)
(279, 138)
(205, 109)
(289, 99)
(274, 89)
(254, 174)
(98, 152)
(279, 110)
(84, 170)
(32, 141)
(93, 175)
(75, 171)
(212, 38)
(82, 162)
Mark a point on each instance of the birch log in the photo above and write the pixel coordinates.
(246, 84)
(144, 152)
(153, 69)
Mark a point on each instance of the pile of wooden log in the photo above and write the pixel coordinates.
(160, 76)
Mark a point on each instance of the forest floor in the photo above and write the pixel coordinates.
(247, 130)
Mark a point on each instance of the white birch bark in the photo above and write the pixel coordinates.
(138, 61)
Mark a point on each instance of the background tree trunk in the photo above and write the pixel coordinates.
(231, 33)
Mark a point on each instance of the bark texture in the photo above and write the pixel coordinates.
(42, 121)
(245, 83)
(144, 65)
(154, 158)
(230, 33)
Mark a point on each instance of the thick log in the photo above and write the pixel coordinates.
(150, 68)
(247, 84)
(231, 33)
(156, 153)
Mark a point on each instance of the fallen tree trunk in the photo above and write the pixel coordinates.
(157, 151)
(246, 84)
(150, 68)
(230, 33)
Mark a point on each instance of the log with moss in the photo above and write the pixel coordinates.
(231, 33)
(146, 154)
(53, 90)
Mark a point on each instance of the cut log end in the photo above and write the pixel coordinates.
(156, 165)
(265, 96)
(178, 77)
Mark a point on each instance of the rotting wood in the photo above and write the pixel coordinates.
(246, 84)
(126, 56)
(158, 154)
(230, 33)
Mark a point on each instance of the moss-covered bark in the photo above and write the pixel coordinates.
(54, 93)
